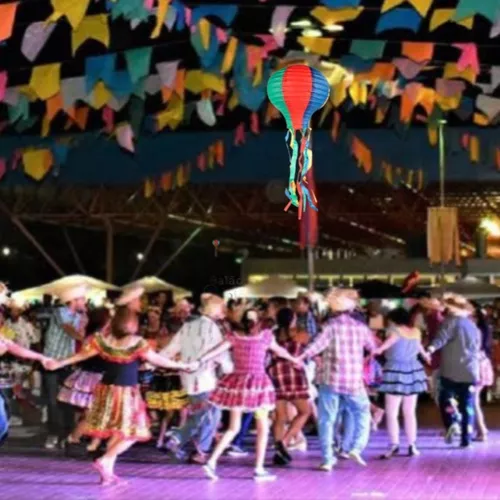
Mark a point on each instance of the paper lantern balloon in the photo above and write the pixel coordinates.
(298, 91)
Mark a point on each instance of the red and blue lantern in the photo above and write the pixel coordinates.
(298, 91)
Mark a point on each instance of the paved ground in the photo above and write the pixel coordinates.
(441, 472)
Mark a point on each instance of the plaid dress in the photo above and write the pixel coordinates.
(290, 382)
(248, 388)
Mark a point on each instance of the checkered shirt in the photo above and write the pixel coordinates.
(341, 345)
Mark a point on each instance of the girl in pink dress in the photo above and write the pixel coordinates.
(247, 389)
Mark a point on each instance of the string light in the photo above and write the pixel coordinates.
(6, 251)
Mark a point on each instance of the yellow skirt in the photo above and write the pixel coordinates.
(118, 411)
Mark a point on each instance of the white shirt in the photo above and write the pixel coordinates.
(26, 333)
(192, 341)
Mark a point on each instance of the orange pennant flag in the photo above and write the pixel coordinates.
(335, 126)
(166, 181)
(211, 157)
(54, 105)
(474, 152)
(81, 117)
(7, 16)
(201, 162)
(363, 155)
(219, 153)
(418, 51)
(497, 158)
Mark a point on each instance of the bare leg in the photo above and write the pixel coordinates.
(262, 418)
(410, 418)
(482, 430)
(183, 415)
(392, 406)
(302, 414)
(227, 438)
(280, 421)
(106, 464)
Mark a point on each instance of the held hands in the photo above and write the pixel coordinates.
(193, 366)
(50, 364)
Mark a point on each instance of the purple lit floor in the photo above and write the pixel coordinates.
(441, 472)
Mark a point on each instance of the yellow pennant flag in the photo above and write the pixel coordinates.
(257, 78)
(160, 17)
(481, 120)
(197, 81)
(421, 6)
(339, 94)
(229, 55)
(234, 100)
(204, 27)
(173, 115)
(91, 28)
(333, 16)
(149, 188)
(320, 46)
(432, 134)
(46, 80)
(443, 16)
(451, 71)
(358, 92)
(474, 152)
(100, 96)
(37, 162)
(74, 10)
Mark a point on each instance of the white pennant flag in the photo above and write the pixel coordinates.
(34, 39)
(167, 72)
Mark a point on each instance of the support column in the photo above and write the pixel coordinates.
(109, 252)
(73, 251)
(181, 248)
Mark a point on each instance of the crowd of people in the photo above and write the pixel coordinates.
(200, 380)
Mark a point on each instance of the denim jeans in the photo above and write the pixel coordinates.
(201, 423)
(246, 422)
(345, 428)
(4, 419)
(464, 393)
(358, 411)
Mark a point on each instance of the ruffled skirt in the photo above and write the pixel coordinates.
(247, 392)
(486, 374)
(118, 411)
(166, 393)
(78, 388)
(403, 378)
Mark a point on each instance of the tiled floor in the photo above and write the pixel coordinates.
(441, 472)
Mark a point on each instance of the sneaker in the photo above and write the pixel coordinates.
(343, 455)
(299, 446)
(413, 451)
(280, 460)
(355, 455)
(393, 450)
(453, 431)
(51, 443)
(198, 458)
(263, 475)
(236, 452)
(281, 450)
(210, 472)
(327, 466)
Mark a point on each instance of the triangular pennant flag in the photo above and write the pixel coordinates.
(34, 39)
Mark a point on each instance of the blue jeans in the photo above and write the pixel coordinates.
(464, 393)
(201, 423)
(358, 411)
(4, 419)
(346, 428)
(246, 422)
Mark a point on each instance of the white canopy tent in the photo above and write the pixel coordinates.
(152, 284)
(274, 286)
(471, 288)
(96, 289)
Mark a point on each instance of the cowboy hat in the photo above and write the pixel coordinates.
(181, 305)
(457, 305)
(342, 299)
(129, 295)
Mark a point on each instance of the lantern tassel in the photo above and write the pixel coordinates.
(305, 162)
(293, 153)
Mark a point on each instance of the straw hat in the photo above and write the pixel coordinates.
(4, 294)
(72, 293)
(457, 305)
(129, 295)
(431, 303)
(182, 305)
(17, 303)
(342, 299)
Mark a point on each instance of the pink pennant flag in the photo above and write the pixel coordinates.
(221, 106)
(108, 117)
(412, 90)
(270, 44)
(464, 141)
(3, 167)
(408, 68)
(125, 137)
(201, 162)
(188, 15)
(254, 124)
(468, 58)
(148, 4)
(221, 35)
(239, 135)
(449, 88)
(16, 158)
(279, 23)
(3, 84)
(254, 56)
(372, 101)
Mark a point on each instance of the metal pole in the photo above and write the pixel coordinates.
(147, 251)
(73, 251)
(310, 268)
(442, 174)
(187, 241)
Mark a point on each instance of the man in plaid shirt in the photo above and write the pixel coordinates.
(340, 375)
